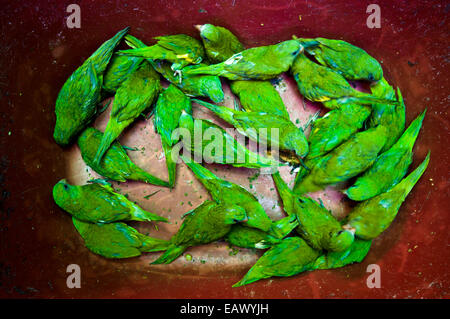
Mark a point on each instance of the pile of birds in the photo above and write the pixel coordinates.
(362, 138)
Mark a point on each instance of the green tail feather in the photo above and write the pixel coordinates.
(103, 54)
(170, 162)
(154, 244)
(172, 253)
(215, 69)
(285, 193)
(249, 278)
(139, 174)
(154, 52)
(112, 132)
(142, 215)
(281, 228)
(199, 171)
(134, 42)
(223, 112)
(410, 135)
(408, 182)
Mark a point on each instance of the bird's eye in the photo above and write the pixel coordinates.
(66, 187)
(340, 232)
(295, 52)
(371, 78)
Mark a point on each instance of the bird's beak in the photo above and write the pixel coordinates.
(349, 228)
(198, 27)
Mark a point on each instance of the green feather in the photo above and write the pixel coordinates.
(115, 164)
(371, 217)
(98, 203)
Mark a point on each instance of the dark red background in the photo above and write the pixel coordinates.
(38, 53)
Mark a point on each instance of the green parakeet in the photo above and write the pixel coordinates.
(115, 164)
(321, 84)
(170, 104)
(389, 168)
(196, 85)
(288, 137)
(119, 69)
(180, 49)
(76, 104)
(290, 257)
(317, 225)
(348, 160)
(219, 42)
(248, 237)
(336, 259)
(97, 203)
(136, 94)
(371, 217)
(225, 192)
(336, 127)
(210, 143)
(348, 60)
(117, 240)
(259, 96)
(259, 63)
(389, 115)
(206, 223)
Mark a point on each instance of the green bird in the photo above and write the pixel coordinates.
(259, 96)
(210, 143)
(373, 216)
(390, 166)
(348, 160)
(206, 223)
(336, 259)
(76, 104)
(248, 237)
(115, 164)
(348, 60)
(170, 104)
(317, 225)
(219, 42)
(119, 69)
(259, 63)
(318, 83)
(290, 257)
(389, 115)
(336, 127)
(117, 240)
(197, 85)
(225, 192)
(180, 49)
(136, 95)
(288, 137)
(97, 203)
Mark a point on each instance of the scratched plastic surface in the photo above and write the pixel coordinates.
(37, 239)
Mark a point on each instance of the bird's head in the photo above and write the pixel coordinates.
(209, 33)
(64, 193)
(296, 140)
(289, 49)
(342, 239)
(63, 133)
(86, 135)
(235, 214)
